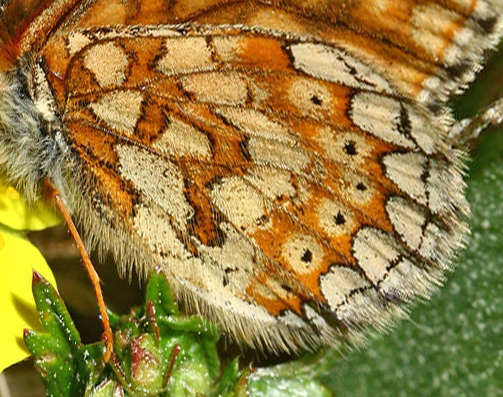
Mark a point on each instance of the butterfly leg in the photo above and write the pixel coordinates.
(91, 271)
(467, 130)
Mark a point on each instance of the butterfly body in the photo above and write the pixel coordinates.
(286, 165)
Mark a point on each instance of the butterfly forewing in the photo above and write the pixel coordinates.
(285, 164)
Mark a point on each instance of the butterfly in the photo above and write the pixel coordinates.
(286, 164)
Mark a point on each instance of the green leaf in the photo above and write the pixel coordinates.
(299, 378)
(57, 352)
(233, 381)
(159, 293)
(53, 313)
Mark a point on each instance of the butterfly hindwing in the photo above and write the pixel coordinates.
(285, 163)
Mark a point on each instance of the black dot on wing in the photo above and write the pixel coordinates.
(316, 100)
(350, 148)
(339, 219)
(307, 256)
(361, 187)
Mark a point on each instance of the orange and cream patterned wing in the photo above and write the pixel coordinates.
(428, 50)
(285, 163)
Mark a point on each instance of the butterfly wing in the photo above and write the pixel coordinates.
(427, 49)
(278, 167)
(259, 187)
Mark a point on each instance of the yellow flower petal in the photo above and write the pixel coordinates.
(17, 214)
(18, 258)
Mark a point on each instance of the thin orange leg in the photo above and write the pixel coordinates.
(91, 271)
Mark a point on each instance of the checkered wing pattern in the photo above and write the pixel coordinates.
(286, 164)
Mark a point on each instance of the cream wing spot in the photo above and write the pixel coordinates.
(379, 116)
(431, 86)
(407, 219)
(261, 94)
(443, 188)
(266, 152)
(423, 131)
(303, 253)
(429, 247)
(240, 203)
(235, 259)
(483, 10)
(182, 139)
(440, 244)
(226, 48)
(406, 281)
(462, 39)
(205, 280)
(108, 63)
(154, 227)
(119, 109)
(273, 183)
(76, 42)
(217, 88)
(157, 178)
(255, 123)
(186, 55)
(406, 171)
(435, 243)
(439, 199)
(332, 64)
(367, 308)
(317, 320)
(375, 253)
(338, 283)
